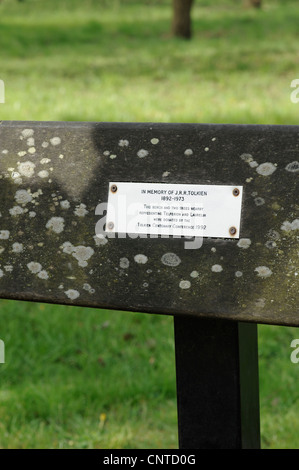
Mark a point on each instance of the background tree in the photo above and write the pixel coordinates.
(256, 3)
(181, 22)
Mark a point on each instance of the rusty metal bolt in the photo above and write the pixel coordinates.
(236, 192)
(232, 230)
(113, 188)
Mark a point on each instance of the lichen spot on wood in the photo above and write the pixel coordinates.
(142, 153)
(293, 167)
(4, 234)
(72, 294)
(170, 259)
(185, 284)
(65, 204)
(17, 247)
(56, 224)
(217, 268)
(16, 210)
(43, 274)
(263, 271)
(289, 226)
(81, 210)
(140, 259)
(124, 263)
(43, 174)
(246, 157)
(34, 267)
(266, 169)
(244, 243)
(259, 201)
(82, 254)
(55, 141)
(27, 133)
(23, 197)
(26, 169)
(194, 274)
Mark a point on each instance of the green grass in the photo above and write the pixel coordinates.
(279, 392)
(74, 60)
(85, 378)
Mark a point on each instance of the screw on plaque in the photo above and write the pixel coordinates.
(236, 192)
(232, 231)
(110, 225)
(113, 188)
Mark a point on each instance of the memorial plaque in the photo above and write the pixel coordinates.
(174, 209)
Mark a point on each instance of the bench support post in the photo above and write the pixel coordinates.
(217, 383)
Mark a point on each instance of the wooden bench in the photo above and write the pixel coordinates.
(55, 178)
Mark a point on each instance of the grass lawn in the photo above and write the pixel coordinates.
(86, 378)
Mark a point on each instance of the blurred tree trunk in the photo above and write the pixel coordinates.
(181, 22)
(256, 3)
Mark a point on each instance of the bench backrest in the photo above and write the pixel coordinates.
(56, 176)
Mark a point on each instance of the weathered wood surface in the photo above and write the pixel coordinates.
(53, 175)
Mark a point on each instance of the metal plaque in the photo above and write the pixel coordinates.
(187, 210)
